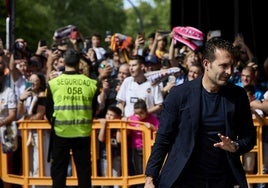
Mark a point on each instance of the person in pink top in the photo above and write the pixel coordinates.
(136, 143)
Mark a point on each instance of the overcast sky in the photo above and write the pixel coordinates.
(135, 2)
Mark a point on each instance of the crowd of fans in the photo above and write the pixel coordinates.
(165, 59)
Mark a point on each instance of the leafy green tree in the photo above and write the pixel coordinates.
(38, 19)
(95, 16)
(155, 16)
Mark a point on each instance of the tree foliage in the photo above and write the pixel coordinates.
(154, 17)
(38, 19)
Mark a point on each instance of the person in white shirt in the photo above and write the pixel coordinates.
(95, 42)
(138, 87)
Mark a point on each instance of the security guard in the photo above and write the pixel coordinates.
(71, 105)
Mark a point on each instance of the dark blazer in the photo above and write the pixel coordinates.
(178, 127)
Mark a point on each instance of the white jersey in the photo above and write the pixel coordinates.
(7, 101)
(20, 86)
(130, 91)
(99, 52)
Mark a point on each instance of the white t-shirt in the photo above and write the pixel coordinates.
(130, 91)
(99, 52)
(7, 101)
(19, 86)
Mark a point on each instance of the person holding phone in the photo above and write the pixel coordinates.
(55, 64)
(19, 74)
(245, 53)
(31, 106)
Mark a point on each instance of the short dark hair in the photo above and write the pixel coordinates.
(115, 109)
(152, 35)
(96, 35)
(71, 58)
(43, 84)
(216, 43)
(141, 59)
(140, 104)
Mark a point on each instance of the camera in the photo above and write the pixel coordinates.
(88, 45)
(54, 48)
(20, 50)
(19, 45)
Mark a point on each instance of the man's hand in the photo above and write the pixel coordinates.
(226, 144)
(149, 182)
(40, 49)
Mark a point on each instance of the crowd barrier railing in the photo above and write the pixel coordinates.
(258, 176)
(41, 127)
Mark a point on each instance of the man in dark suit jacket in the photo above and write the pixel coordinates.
(205, 126)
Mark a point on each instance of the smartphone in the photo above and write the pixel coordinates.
(54, 48)
(110, 62)
(28, 84)
(43, 42)
(141, 35)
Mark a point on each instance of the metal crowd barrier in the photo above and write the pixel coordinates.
(258, 176)
(41, 127)
(125, 180)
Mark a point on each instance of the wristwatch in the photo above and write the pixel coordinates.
(236, 145)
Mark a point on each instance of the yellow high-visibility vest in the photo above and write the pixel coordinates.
(72, 95)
